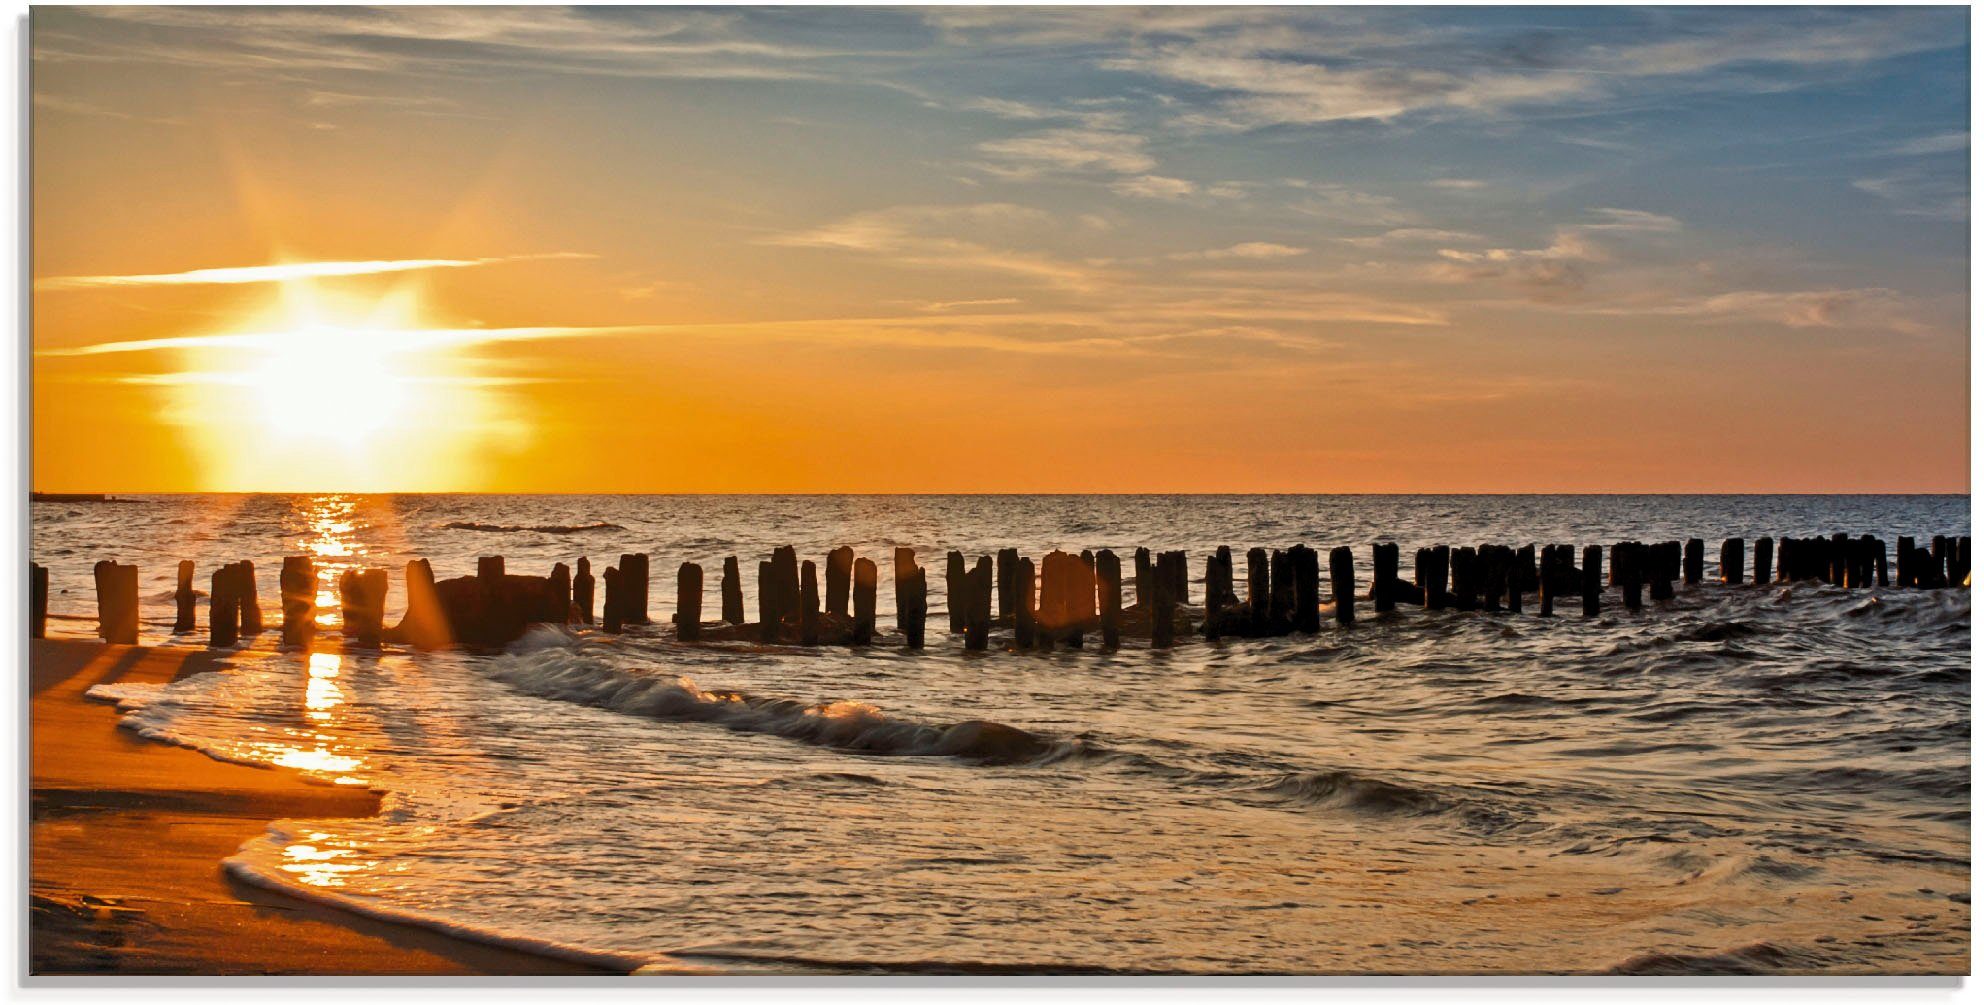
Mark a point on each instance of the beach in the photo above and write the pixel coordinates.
(127, 838)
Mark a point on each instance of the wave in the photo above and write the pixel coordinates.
(1753, 959)
(545, 664)
(504, 528)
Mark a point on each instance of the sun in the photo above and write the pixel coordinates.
(331, 373)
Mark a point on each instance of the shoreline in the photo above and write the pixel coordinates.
(98, 794)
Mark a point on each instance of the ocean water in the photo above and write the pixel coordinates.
(1748, 779)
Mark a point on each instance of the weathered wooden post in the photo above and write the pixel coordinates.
(1960, 576)
(1384, 576)
(767, 604)
(1109, 590)
(1258, 591)
(1517, 579)
(1904, 562)
(491, 566)
(1594, 576)
(1939, 554)
(1160, 608)
(1664, 565)
(117, 602)
(809, 602)
(1879, 546)
(1691, 562)
(297, 584)
(955, 589)
(1491, 573)
(1007, 564)
(612, 615)
(1281, 591)
(223, 611)
(1343, 586)
(1628, 564)
(1306, 567)
(251, 600)
(372, 585)
(1836, 571)
(1224, 556)
(1763, 564)
(978, 610)
(912, 599)
(916, 608)
(1022, 589)
(732, 588)
(1546, 583)
(425, 624)
(1435, 588)
(558, 592)
(1467, 588)
(840, 577)
(1143, 573)
(37, 601)
(582, 587)
(183, 600)
(1213, 597)
(689, 602)
(865, 576)
(1732, 561)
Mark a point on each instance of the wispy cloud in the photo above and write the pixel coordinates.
(929, 237)
(285, 271)
(391, 339)
(1245, 249)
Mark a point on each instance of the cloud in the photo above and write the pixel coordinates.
(285, 271)
(395, 339)
(1922, 195)
(1406, 235)
(1630, 219)
(1070, 150)
(1152, 186)
(76, 106)
(1248, 249)
(1939, 143)
(923, 237)
(1872, 307)
(1459, 184)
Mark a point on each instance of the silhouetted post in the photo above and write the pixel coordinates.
(1732, 561)
(1281, 591)
(1961, 574)
(558, 593)
(1593, 578)
(297, 585)
(809, 602)
(491, 566)
(767, 604)
(1435, 587)
(425, 624)
(1109, 590)
(117, 602)
(1258, 589)
(1763, 555)
(371, 585)
(611, 618)
(1007, 564)
(37, 601)
(1665, 566)
(1160, 609)
(1546, 584)
(1628, 563)
(1491, 573)
(1384, 576)
(1513, 569)
(1836, 574)
(978, 611)
(582, 586)
(689, 602)
(183, 600)
(1212, 597)
(1879, 547)
(251, 600)
(1305, 567)
(1904, 562)
(1940, 555)
(954, 589)
(865, 576)
(1224, 556)
(1143, 578)
(1343, 585)
(1691, 562)
(634, 588)
(732, 588)
(1022, 589)
(1466, 586)
(840, 575)
(911, 599)
(223, 612)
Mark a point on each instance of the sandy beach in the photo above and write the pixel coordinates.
(128, 837)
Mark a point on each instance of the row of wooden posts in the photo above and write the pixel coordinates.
(1075, 595)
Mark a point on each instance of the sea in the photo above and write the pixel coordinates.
(1744, 779)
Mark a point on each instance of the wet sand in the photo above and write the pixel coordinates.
(127, 838)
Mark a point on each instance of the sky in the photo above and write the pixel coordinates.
(1000, 249)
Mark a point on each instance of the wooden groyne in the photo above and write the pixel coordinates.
(1057, 603)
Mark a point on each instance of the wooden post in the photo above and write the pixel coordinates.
(1491, 573)
(1546, 583)
(558, 593)
(1258, 590)
(1593, 578)
(223, 624)
(1007, 565)
(183, 600)
(1836, 569)
(1466, 587)
(1879, 546)
(37, 601)
(1904, 562)
(955, 589)
(1629, 566)
(911, 599)
(251, 600)
(1212, 598)
(611, 616)
(1303, 563)
(582, 587)
(491, 566)
(1022, 590)
(840, 576)
(1961, 574)
(1517, 581)
(1435, 587)
(1224, 556)
(1144, 598)
(865, 576)
(767, 604)
(785, 583)
(809, 602)
(732, 588)
(1384, 576)
(1343, 585)
(1763, 557)
(1281, 591)
(372, 585)
(1691, 562)
(117, 603)
(1160, 609)
(1109, 590)
(689, 602)
(297, 584)
(978, 606)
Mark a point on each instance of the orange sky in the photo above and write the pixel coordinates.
(658, 251)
